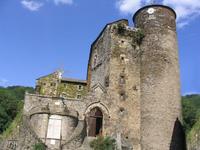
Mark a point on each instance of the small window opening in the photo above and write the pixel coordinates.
(122, 41)
(80, 87)
(53, 84)
(95, 60)
(122, 79)
(122, 57)
(78, 96)
(107, 81)
(135, 88)
(121, 109)
(122, 96)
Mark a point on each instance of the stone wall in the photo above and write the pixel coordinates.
(47, 85)
(99, 59)
(23, 137)
(160, 85)
(72, 90)
(133, 79)
(56, 86)
(125, 86)
(115, 82)
(41, 109)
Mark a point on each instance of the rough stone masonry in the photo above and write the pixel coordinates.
(132, 91)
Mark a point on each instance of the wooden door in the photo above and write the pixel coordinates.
(95, 120)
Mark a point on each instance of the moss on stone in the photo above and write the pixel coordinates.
(52, 85)
(48, 84)
(70, 90)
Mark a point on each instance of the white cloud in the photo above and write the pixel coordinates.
(3, 82)
(182, 24)
(190, 93)
(186, 10)
(66, 2)
(32, 5)
(35, 5)
(128, 6)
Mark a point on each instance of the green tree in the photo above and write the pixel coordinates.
(191, 111)
(10, 104)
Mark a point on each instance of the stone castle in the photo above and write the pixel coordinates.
(132, 91)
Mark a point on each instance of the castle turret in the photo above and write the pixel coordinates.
(160, 90)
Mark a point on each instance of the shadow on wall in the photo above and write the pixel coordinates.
(178, 141)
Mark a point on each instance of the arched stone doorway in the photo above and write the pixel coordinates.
(95, 122)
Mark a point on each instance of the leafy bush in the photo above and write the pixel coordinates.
(192, 134)
(138, 36)
(102, 143)
(121, 29)
(39, 146)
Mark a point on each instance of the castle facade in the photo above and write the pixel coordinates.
(132, 91)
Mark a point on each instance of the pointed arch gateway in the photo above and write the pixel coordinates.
(95, 122)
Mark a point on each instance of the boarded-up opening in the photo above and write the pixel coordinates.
(54, 127)
(95, 121)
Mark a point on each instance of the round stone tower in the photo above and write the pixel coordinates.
(160, 87)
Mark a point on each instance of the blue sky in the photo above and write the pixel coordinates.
(39, 36)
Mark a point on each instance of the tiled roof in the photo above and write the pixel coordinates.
(74, 80)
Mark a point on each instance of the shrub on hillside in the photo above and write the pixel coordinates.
(39, 146)
(103, 143)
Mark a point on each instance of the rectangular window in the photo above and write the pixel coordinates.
(80, 87)
(107, 81)
(122, 79)
(122, 57)
(78, 96)
(53, 84)
(54, 127)
(95, 60)
(122, 96)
